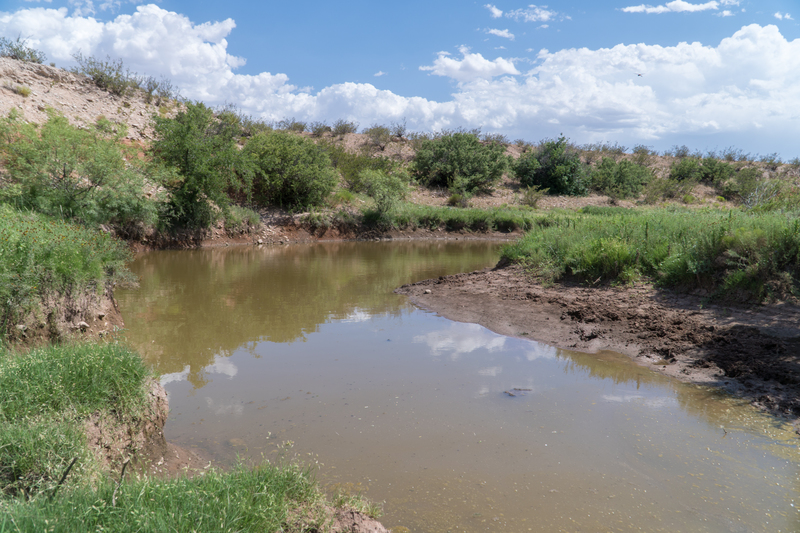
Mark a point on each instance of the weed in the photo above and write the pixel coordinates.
(108, 74)
(19, 50)
(318, 129)
(532, 195)
(240, 219)
(386, 189)
(458, 200)
(498, 138)
(343, 127)
(378, 136)
(292, 125)
(350, 164)
(398, 129)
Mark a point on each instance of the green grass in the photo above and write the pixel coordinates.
(753, 256)
(40, 255)
(45, 394)
(504, 219)
(264, 498)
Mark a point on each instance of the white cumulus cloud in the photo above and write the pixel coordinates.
(744, 89)
(782, 16)
(677, 6)
(496, 13)
(532, 13)
(470, 67)
(501, 33)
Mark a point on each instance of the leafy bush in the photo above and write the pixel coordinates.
(159, 91)
(554, 166)
(290, 171)
(398, 129)
(685, 170)
(41, 255)
(532, 195)
(205, 164)
(108, 74)
(290, 124)
(318, 129)
(386, 189)
(715, 172)
(350, 165)
(620, 180)
(19, 50)
(460, 162)
(732, 154)
(378, 136)
(341, 127)
(643, 155)
(85, 175)
(661, 188)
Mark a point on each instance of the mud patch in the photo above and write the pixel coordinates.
(750, 351)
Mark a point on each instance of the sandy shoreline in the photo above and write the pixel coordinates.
(751, 351)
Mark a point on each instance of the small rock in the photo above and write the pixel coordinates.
(101, 316)
(427, 291)
(260, 241)
(22, 327)
(83, 326)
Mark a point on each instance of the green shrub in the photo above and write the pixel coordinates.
(555, 166)
(19, 50)
(715, 172)
(532, 195)
(398, 129)
(458, 200)
(108, 74)
(290, 171)
(351, 164)
(666, 188)
(158, 92)
(460, 162)
(240, 219)
(40, 256)
(643, 155)
(685, 170)
(205, 163)
(342, 127)
(318, 129)
(378, 136)
(290, 124)
(87, 175)
(620, 180)
(386, 189)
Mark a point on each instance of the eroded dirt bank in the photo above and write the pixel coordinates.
(751, 351)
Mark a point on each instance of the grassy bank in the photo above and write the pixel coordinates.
(263, 498)
(41, 256)
(741, 255)
(46, 395)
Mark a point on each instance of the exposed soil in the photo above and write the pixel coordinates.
(751, 351)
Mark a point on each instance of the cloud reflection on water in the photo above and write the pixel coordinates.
(461, 338)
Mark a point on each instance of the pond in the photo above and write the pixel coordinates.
(304, 350)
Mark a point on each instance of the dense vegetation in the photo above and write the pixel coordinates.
(752, 256)
(45, 394)
(41, 256)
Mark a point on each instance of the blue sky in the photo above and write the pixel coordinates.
(715, 73)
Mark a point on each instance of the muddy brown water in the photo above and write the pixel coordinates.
(303, 350)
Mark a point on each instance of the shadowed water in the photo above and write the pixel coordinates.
(307, 344)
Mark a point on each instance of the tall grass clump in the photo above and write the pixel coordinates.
(730, 254)
(503, 219)
(264, 498)
(460, 162)
(40, 256)
(108, 74)
(45, 394)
